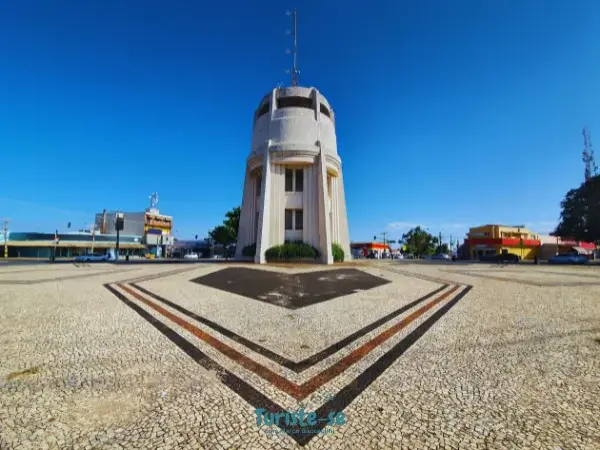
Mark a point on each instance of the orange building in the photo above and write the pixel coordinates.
(363, 249)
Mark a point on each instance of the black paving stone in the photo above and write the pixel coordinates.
(290, 291)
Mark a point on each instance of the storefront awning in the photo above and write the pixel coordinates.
(67, 244)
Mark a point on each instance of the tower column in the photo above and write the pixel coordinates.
(324, 222)
(262, 238)
(244, 237)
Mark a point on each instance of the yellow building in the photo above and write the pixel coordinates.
(489, 240)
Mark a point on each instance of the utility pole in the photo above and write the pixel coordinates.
(383, 237)
(93, 236)
(5, 229)
(55, 245)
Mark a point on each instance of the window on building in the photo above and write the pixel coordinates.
(294, 180)
(324, 110)
(289, 180)
(294, 219)
(258, 185)
(295, 102)
(289, 219)
(262, 110)
(299, 173)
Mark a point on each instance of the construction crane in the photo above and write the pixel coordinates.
(587, 156)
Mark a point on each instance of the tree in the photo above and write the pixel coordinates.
(444, 248)
(580, 212)
(419, 242)
(226, 234)
(232, 220)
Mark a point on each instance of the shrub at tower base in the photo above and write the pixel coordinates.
(338, 252)
(291, 251)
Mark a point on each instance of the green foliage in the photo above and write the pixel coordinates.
(232, 220)
(338, 252)
(442, 249)
(222, 235)
(419, 242)
(249, 250)
(580, 212)
(290, 251)
(226, 234)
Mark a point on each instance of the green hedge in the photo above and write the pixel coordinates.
(338, 252)
(249, 250)
(291, 250)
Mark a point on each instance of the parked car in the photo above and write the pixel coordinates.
(501, 257)
(92, 257)
(191, 256)
(442, 256)
(568, 258)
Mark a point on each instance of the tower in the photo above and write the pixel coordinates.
(294, 188)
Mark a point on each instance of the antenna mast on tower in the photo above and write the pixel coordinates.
(295, 72)
(588, 156)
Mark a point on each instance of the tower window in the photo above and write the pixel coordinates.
(294, 180)
(262, 110)
(258, 185)
(299, 180)
(324, 110)
(295, 102)
(294, 219)
(298, 220)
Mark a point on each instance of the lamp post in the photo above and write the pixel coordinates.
(119, 225)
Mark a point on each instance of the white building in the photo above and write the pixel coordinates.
(294, 188)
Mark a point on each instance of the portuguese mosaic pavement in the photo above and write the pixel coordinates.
(404, 355)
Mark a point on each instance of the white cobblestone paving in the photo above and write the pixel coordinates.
(510, 366)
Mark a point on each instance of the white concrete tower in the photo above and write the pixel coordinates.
(294, 188)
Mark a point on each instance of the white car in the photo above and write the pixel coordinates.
(191, 256)
(92, 257)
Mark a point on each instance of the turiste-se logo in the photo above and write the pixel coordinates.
(299, 421)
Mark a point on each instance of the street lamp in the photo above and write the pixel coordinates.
(119, 225)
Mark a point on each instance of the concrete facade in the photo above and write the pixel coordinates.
(294, 188)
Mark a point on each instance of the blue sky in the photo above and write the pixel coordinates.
(450, 114)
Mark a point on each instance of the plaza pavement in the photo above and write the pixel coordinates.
(447, 356)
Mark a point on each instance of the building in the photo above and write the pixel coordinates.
(156, 229)
(489, 240)
(555, 245)
(364, 249)
(68, 245)
(294, 188)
